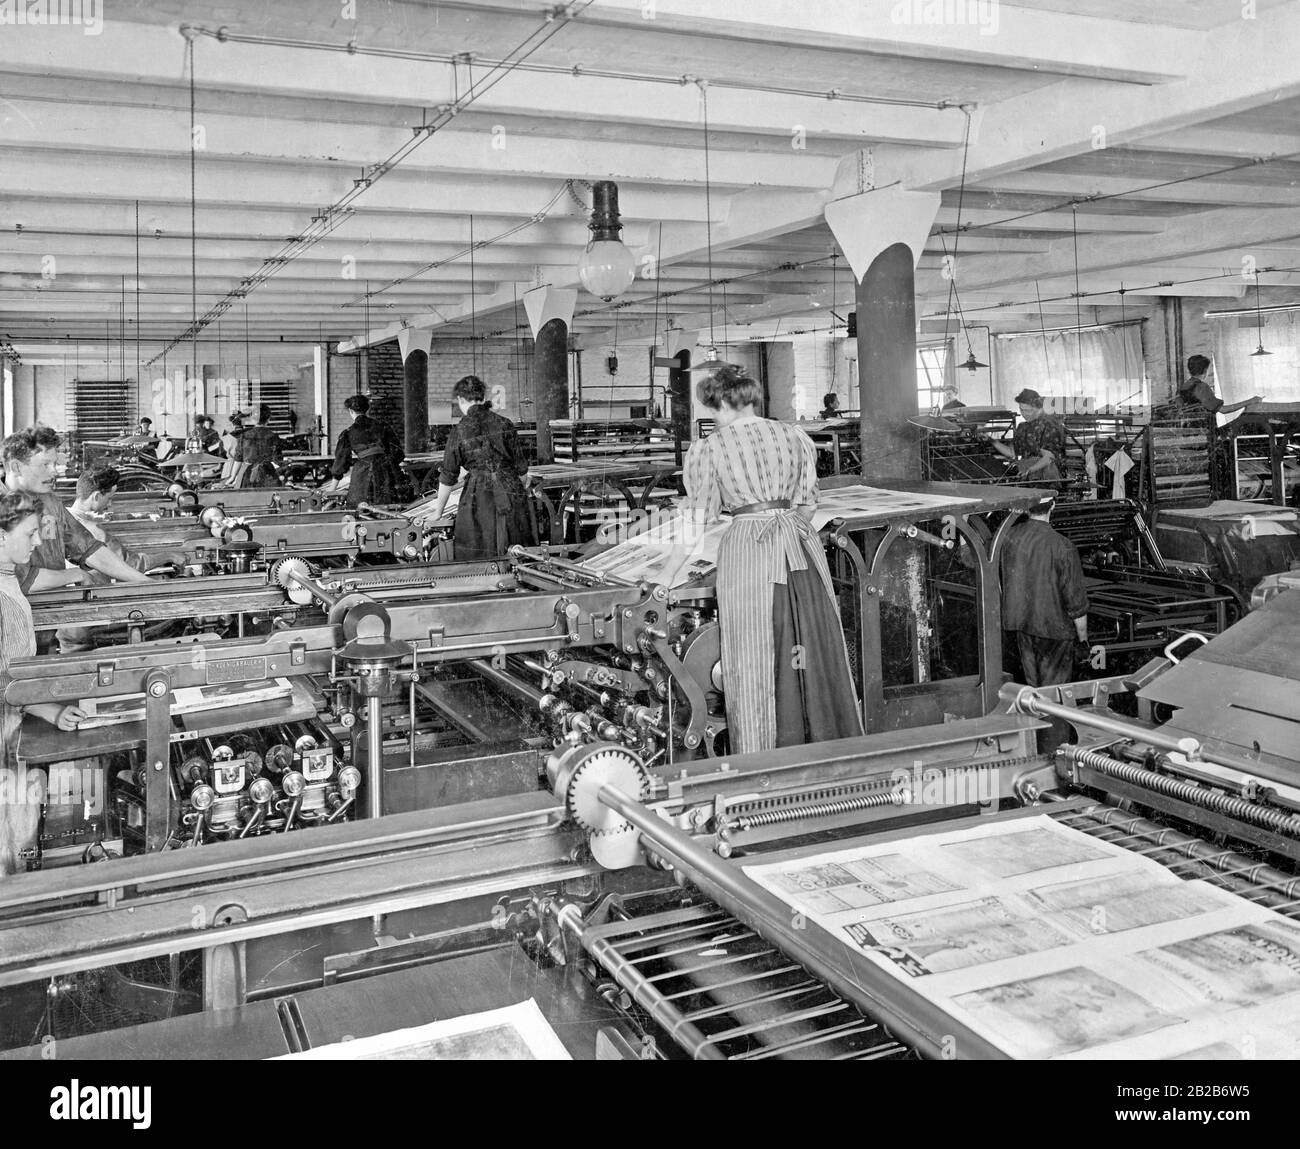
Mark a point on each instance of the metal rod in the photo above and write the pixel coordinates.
(646, 996)
(375, 756)
(410, 732)
(313, 586)
(506, 681)
(1027, 702)
(773, 919)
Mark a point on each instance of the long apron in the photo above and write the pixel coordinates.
(757, 556)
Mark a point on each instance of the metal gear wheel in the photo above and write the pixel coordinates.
(599, 765)
(280, 573)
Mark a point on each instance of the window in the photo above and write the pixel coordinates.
(931, 373)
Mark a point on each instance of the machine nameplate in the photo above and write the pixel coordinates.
(237, 670)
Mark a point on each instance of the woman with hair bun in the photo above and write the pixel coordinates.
(785, 668)
(494, 512)
(372, 453)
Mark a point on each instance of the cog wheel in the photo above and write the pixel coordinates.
(603, 764)
(300, 568)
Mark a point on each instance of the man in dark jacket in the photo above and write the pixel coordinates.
(1044, 607)
(1044, 599)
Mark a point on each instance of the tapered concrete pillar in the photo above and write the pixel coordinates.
(550, 311)
(415, 370)
(414, 345)
(882, 233)
(886, 303)
(551, 380)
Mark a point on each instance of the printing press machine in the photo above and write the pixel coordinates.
(1137, 601)
(178, 500)
(232, 543)
(617, 899)
(599, 870)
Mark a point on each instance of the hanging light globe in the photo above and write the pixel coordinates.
(606, 268)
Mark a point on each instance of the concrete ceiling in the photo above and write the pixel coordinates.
(1064, 100)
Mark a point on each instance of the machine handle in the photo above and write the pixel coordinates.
(1168, 651)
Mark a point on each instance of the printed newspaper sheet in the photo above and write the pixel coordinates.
(1051, 943)
(516, 1033)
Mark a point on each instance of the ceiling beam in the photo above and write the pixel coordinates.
(102, 133)
(1244, 64)
(154, 54)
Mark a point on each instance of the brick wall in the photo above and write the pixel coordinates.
(807, 367)
(452, 359)
(343, 378)
(385, 384)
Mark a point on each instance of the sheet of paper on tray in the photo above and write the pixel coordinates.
(857, 500)
(671, 553)
(1051, 943)
(677, 550)
(515, 1033)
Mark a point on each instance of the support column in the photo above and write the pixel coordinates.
(414, 346)
(549, 311)
(882, 234)
(551, 381)
(886, 303)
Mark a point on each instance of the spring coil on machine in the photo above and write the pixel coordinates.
(819, 810)
(1228, 804)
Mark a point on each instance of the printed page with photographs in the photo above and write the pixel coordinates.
(1051, 943)
(514, 1033)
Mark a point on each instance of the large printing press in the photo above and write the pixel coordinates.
(473, 784)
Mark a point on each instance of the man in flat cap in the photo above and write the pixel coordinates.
(1038, 442)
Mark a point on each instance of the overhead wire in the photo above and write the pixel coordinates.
(1099, 197)
(352, 48)
(333, 216)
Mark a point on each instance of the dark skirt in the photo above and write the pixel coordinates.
(374, 480)
(815, 699)
(258, 475)
(495, 513)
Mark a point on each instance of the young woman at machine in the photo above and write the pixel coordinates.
(21, 793)
(784, 663)
(494, 512)
(371, 452)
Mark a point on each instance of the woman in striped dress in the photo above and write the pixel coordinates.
(21, 794)
(785, 668)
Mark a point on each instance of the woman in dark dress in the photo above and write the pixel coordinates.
(373, 454)
(261, 451)
(494, 513)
